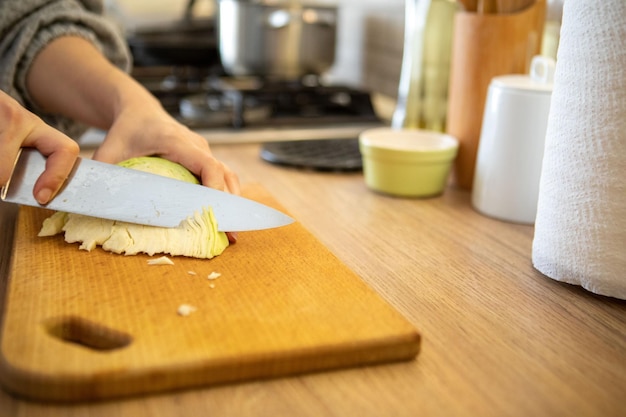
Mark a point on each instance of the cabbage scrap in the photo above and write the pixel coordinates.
(196, 237)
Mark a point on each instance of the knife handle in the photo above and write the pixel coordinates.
(5, 188)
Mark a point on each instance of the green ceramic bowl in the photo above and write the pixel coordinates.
(407, 163)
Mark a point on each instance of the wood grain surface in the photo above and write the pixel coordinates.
(91, 325)
(498, 338)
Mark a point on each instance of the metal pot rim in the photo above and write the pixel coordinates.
(284, 3)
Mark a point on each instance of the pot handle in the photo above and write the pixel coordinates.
(188, 14)
(280, 18)
(189, 9)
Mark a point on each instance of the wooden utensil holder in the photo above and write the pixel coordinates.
(485, 46)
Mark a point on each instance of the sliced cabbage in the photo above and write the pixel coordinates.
(197, 236)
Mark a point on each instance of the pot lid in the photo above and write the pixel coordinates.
(309, 3)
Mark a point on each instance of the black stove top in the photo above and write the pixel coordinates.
(203, 100)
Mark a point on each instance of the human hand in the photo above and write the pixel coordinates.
(150, 130)
(21, 128)
(90, 89)
(147, 129)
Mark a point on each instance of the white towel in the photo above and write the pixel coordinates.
(580, 229)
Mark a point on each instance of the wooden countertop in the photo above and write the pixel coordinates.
(499, 338)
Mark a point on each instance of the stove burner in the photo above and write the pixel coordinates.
(298, 103)
(220, 109)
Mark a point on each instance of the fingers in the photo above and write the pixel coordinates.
(178, 144)
(111, 152)
(232, 237)
(232, 181)
(61, 160)
(20, 128)
(61, 153)
(160, 135)
(216, 174)
(195, 154)
(211, 171)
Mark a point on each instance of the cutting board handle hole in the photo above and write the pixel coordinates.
(92, 335)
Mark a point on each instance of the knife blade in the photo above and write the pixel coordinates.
(112, 192)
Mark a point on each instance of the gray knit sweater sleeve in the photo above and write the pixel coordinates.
(26, 26)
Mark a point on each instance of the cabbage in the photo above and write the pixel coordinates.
(197, 236)
(160, 166)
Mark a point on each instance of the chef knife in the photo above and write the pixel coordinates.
(112, 192)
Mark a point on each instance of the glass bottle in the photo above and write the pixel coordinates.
(423, 88)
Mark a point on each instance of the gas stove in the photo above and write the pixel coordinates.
(224, 109)
(223, 106)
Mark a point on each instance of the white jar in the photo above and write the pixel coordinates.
(510, 152)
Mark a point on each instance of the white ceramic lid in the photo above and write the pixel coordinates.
(521, 82)
(540, 79)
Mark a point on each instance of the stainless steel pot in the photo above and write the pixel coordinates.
(190, 41)
(283, 39)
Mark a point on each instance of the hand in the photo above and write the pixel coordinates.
(21, 128)
(149, 130)
(90, 89)
(146, 129)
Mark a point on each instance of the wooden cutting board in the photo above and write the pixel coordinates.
(92, 325)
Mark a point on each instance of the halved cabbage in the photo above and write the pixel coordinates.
(196, 237)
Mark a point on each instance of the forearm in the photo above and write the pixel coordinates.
(70, 77)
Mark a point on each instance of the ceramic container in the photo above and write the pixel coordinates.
(407, 163)
(510, 154)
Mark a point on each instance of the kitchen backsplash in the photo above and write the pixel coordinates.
(369, 44)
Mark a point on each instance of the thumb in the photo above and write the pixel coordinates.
(111, 151)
